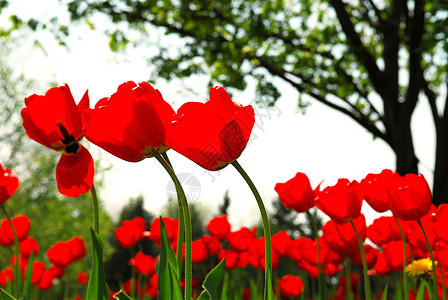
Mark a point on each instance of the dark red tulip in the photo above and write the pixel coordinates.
(9, 183)
(54, 120)
(296, 193)
(130, 124)
(83, 278)
(212, 134)
(374, 187)
(290, 286)
(144, 264)
(130, 232)
(410, 196)
(341, 202)
(219, 227)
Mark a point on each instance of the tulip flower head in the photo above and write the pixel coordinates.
(374, 187)
(9, 183)
(296, 193)
(54, 120)
(131, 123)
(212, 134)
(341, 202)
(410, 196)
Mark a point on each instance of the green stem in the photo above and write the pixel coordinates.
(320, 278)
(434, 275)
(443, 282)
(187, 219)
(180, 215)
(266, 228)
(96, 215)
(17, 252)
(364, 264)
(405, 261)
(348, 280)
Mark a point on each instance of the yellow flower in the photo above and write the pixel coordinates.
(419, 267)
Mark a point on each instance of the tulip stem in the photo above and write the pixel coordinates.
(187, 219)
(17, 251)
(405, 260)
(266, 229)
(348, 280)
(434, 275)
(364, 264)
(320, 278)
(180, 213)
(96, 215)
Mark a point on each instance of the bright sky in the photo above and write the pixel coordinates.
(323, 143)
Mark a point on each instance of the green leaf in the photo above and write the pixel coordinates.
(5, 296)
(176, 289)
(384, 296)
(166, 255)
(214, 281)
(121, 295)
(28, 275)
(97, 288)
(268, 291)
(421, 290)
(254, 294)
(204, 296)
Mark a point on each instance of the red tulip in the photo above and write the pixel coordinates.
(341, 202)
(9, 183)
(393, 252)
(130, 232)
(38, 270)
(130, 124)
(46, 281)
(371, 254)
(383, 229)
(54, 121)
(281, 242)
(171, 225)
(212, 134)
(374, 187)
(56, 272)
(212, 244)
(60, 254)
(21, 225)
(28, 246)
(296, 193)
(144, 264)
(198, 252)
(231, 258)
(77, 248)
(240, 240)
(219, 227)
(83, 278)
(343, 238)
(290, 286)
(410, 196)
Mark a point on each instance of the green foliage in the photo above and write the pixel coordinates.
(224, 206)
(214, 282)
(97, 288)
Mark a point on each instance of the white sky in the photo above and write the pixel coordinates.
(322, 143)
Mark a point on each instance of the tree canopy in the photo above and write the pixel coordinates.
(371, 60)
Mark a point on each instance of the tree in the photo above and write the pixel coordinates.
(368, 59)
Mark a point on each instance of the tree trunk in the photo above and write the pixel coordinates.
(440, 185)
(401, 143)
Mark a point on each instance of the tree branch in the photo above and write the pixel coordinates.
(377, 77)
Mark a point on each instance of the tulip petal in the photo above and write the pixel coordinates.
(74, 173)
